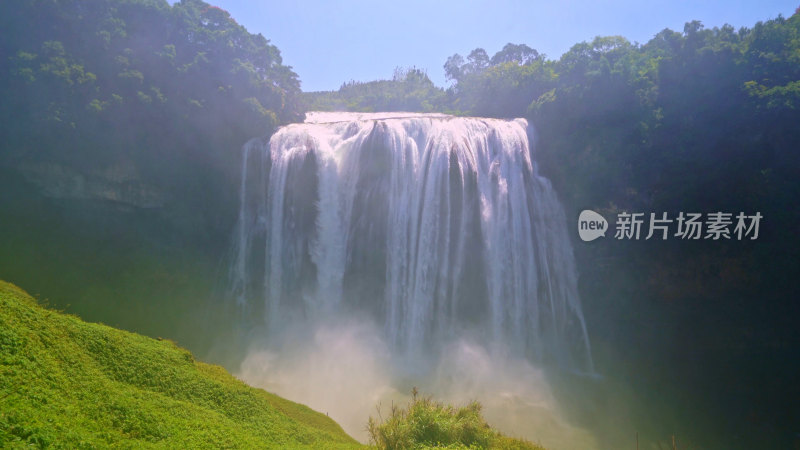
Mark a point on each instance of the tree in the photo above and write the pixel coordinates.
(453, 67)
(520, 54)
(477, 60)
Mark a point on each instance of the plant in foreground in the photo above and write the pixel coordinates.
(425, 423)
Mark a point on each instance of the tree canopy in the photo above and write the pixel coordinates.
(173, 90)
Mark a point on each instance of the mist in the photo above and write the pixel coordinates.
(408, 251)
(344, 368)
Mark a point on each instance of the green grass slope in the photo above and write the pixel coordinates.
(65, 383)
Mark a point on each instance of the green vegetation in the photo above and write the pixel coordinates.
(66, 383)
(425, 424)
(408, 90)
(169, 93)
(122, 122)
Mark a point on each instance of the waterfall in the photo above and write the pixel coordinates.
(431, 224)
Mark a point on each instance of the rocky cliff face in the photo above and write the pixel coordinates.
(118, 183)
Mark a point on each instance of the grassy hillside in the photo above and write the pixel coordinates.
(68, 383)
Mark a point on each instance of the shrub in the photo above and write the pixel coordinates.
(426, 423)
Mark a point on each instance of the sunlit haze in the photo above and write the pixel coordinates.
(329, 43)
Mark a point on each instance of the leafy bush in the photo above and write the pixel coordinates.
(426, 423)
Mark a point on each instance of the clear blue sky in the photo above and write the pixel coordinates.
(330, 42)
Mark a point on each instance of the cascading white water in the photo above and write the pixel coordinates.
(435, 225)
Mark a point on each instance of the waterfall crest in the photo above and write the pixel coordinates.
(433, 225)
